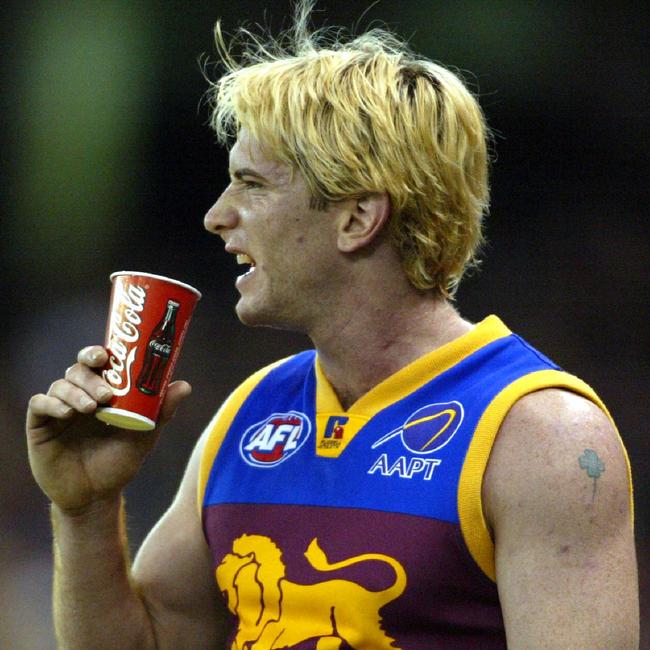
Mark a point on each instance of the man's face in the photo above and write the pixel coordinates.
(264, 217)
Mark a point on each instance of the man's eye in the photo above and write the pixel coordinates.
(252, 184)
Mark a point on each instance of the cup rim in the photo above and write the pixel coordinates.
(157, 277)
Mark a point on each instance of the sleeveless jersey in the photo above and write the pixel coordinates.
(364, 528)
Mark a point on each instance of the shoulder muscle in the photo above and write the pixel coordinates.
(556, 449)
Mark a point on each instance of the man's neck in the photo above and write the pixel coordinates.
(380, 339)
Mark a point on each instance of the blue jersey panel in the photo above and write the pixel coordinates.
(407, 458)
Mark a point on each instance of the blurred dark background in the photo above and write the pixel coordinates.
(107, 164)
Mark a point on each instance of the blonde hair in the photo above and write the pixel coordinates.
(364, 114)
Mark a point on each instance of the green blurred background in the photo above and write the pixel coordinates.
(107, 164)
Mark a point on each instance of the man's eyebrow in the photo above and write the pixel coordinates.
(246, 171)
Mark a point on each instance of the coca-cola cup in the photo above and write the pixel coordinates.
(147, 323)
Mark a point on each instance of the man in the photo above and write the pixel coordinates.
(416, 481)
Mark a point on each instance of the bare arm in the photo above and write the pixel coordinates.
(83, 465)
(173, 571)
(95, 605)
(556, 497)
(169, 600)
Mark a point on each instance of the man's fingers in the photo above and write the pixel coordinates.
(72, 395)
(176, 393)
(88, 381)
(44, 407)
(81, 390)
(94, 356)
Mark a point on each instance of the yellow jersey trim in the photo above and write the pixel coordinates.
(220, 424)
(404, 381)
(470, 507)
(414, 375)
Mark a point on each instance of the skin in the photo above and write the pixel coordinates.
(562, 556)
(368, 321)
(565, 559)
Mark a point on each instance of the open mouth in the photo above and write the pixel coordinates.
(242, 258)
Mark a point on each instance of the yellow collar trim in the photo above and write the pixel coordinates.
(412, 376)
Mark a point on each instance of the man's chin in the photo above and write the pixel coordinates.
(252, 316)
(256, 317)
(247, 316)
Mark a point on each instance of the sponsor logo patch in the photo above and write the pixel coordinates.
(333, 434)
(271, 441)
(426, 430)
(335, 431)
(405, 468)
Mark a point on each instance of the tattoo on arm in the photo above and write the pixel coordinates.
(595, 467)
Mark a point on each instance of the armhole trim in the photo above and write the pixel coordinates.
(220, 424)
(470, 507)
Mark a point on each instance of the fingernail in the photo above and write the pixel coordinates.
(85, 402)
(104, 393)
(64, 409)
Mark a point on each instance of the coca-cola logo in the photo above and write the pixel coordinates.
(163, 349)
(124, 332)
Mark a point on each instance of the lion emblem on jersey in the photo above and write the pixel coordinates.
(275, 613)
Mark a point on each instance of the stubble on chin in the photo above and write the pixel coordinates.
(260, 317)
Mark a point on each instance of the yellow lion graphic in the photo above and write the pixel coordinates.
(276, 613)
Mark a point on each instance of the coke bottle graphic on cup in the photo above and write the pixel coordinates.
(158, 350)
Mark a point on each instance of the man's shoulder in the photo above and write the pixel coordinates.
(554, 411)
(554, 420)
(556, 453)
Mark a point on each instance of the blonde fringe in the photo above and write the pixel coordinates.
(364, 114)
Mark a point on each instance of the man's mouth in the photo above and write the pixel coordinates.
(242, 258)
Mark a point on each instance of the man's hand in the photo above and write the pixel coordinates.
(76, 459)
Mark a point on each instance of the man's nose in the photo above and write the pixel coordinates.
(221, 216)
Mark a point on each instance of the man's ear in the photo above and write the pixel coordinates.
(362, 220)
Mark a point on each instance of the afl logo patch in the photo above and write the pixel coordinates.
(272, 441)
(427, 429)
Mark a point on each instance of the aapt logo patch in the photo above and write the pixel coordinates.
(271, 441)
(427, 429)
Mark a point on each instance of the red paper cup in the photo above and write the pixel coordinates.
(148, 319)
